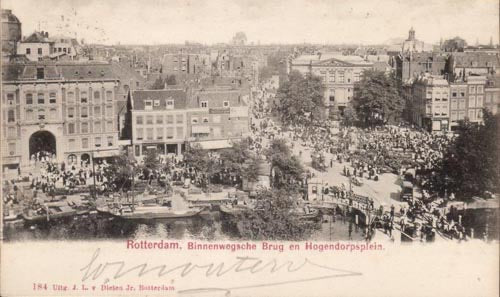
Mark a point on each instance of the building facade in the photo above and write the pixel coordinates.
(431, 103)
(492, 94)
(458, 103)
(159, 121)
(36, 47)
(218, 116)
(66, 111)
(11, 33)
(475, 98)
(339, 73)
(410, 65)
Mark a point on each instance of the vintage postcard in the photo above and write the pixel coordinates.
(250, 148)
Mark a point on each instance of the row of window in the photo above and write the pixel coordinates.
(338, 77)
(474, 114)
(98, 142)
(84, 111)
(40, 98)
(159, 119)
(98, 127)
(215, 119)
(63, 50)
(52, 98)
(40, 114)
(159, 135)
(39, 51)
(84, 97)
(476, 89)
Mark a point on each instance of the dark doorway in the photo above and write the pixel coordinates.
(85, 158)
(42, 142)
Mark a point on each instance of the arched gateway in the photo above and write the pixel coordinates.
(42, 142)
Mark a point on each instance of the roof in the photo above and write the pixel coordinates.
(178, 95)
(424, 57)
(9, 17)
(37, 37)
(326, 60)
(58, 71)
(216, 98)
(476, 59)
(432, 80)
(125, 73)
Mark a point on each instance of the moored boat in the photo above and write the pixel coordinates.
(48, 213)
(231, 209)
(147, 212)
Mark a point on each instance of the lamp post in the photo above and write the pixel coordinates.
(93, 175)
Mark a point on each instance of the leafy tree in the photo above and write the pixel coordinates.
(300, 98)
(266, 73)
(234, 158)
(271, 219)
(196, 157)
(171, 80)
(377, 99)
(120, 173)
(152, 159)
(318, 160)
(203, 162)
(250, 170)
(456, 44)
(287, 168)
(470, 166)
(349, 118)
(159, 84)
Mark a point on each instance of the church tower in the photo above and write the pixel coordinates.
(411, 34)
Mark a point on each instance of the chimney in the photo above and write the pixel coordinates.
(47, 34)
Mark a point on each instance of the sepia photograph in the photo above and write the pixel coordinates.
(209, 130)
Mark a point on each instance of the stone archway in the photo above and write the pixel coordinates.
(43, 142)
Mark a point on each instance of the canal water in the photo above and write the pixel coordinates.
(208, 226)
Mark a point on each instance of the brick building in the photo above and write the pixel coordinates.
(218, 116)
(159, 121)
(492, 93)
(65, 109)
(431, 103)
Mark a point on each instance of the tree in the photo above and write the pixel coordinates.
(159, 84)
(377, 99)
(120, 173)
(152, 159)
(196, 157)
(456, 44)
(470, 166)
(287, 168)
(349, 118)
(271, 219)
(300, 98)
(171, 80)
(203, 162)
(318, 160)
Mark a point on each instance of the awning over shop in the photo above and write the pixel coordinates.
(200, 129)
(106, 154)
(214, 144)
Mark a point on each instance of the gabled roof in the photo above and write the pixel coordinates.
(349, 61)
(58, 71)
(475, 59)
(216, 98)
(178, 95)
(330, 60)
(37, 37)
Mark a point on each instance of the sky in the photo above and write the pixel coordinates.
(264, 21)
